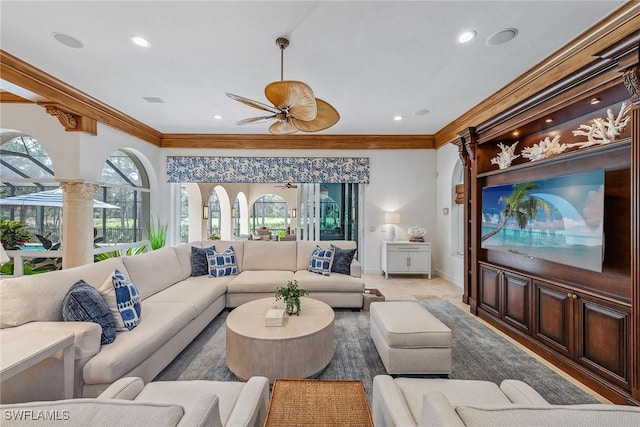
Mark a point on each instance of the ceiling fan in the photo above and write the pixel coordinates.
(295, 108)
(288, 185)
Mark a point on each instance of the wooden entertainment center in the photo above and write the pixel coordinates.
(585, 322)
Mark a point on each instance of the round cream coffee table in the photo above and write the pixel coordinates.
(301, 348)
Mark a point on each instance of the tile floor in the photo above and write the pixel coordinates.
(420, 287)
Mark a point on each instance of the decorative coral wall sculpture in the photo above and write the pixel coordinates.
(603, 131)
(505, 156)
(546, 148)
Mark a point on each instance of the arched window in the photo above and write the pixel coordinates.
(213, 222)
(125, 185)
(271, 211)
(184, 215)
(25, 168)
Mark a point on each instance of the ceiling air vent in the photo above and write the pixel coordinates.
(153, 99)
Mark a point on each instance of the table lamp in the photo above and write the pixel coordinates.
(392, 218)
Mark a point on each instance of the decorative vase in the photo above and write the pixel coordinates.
(293, 306)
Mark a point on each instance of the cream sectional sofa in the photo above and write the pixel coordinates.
(175, 308)
(128, 402)
(433, 402)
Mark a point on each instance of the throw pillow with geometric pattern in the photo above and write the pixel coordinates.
(128, 300)
(321, 261)
(222, 263)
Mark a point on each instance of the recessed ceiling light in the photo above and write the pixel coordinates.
(140, 41)
(397, 118)
(549, 120)
(466, 36)
(501, 37)
(595, 101)
(67, 40)
(217, 116)
(516, 133)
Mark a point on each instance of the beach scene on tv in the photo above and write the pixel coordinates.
(559, 219)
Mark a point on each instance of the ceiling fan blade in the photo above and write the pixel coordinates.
(327, 117)
(251, 120)
(296, 97)
(252, 103)
(282, 128)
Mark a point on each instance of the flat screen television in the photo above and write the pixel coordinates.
(558, 219)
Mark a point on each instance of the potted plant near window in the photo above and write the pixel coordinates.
(291, 295)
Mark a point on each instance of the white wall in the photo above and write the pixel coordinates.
(449, 264)
(400, 180)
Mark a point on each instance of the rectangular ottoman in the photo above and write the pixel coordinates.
(409, 339)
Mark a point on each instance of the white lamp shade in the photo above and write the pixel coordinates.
(392, 218)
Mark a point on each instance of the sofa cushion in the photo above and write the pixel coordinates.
(160, 323)
(83, 303)
(123, 300)
(321, 261)
(335, 283)
(199, 261)
(259, 281)
(306, 248)
(39, 297)
(342, 259)
(92, 412)
(591, 415)
(182, 392)
(437, 412)
(269, 255)
(154, 271)
(458, 392)
(200, 291)
(222, 263)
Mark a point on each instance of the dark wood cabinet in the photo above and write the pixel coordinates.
(584, 320)
(506, 295)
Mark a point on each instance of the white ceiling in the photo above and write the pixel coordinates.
(371, 60)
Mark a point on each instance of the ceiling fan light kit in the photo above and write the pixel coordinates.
(295, 108)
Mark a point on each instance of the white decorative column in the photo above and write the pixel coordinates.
(77, 227)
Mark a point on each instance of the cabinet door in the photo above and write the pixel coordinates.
(397, 262)
(553, 317)
(602, 338)
(489, 292)
(517, 301)
(418, 261)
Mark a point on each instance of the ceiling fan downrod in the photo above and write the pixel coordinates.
(282, 43)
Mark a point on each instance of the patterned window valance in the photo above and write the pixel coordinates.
(353, 170)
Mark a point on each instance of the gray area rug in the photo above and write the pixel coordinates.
(478, 353)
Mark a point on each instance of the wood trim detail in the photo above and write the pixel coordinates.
(12, 98)
(575, 55)
(298, 141)
(631, 79)
(55, 91)
(70, 121)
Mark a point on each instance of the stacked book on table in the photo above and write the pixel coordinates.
(274, 317)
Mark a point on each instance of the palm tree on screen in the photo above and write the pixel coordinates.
(521, 206)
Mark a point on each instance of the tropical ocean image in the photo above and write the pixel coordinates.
(558, 219)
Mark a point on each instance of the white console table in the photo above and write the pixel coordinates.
(404, 257)
(21, 350)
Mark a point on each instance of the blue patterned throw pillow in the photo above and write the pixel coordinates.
(128, 300)
(321, 261)
(222, 263)
(83, 303)
(342, 260)
(199, 262)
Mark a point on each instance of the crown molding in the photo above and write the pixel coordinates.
(12, 98)
(298, 141)
(576, 54)
(54, 91)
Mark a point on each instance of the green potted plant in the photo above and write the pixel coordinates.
(291, 295)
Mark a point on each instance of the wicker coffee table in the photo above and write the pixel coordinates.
(318, 403)
(301, 348)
